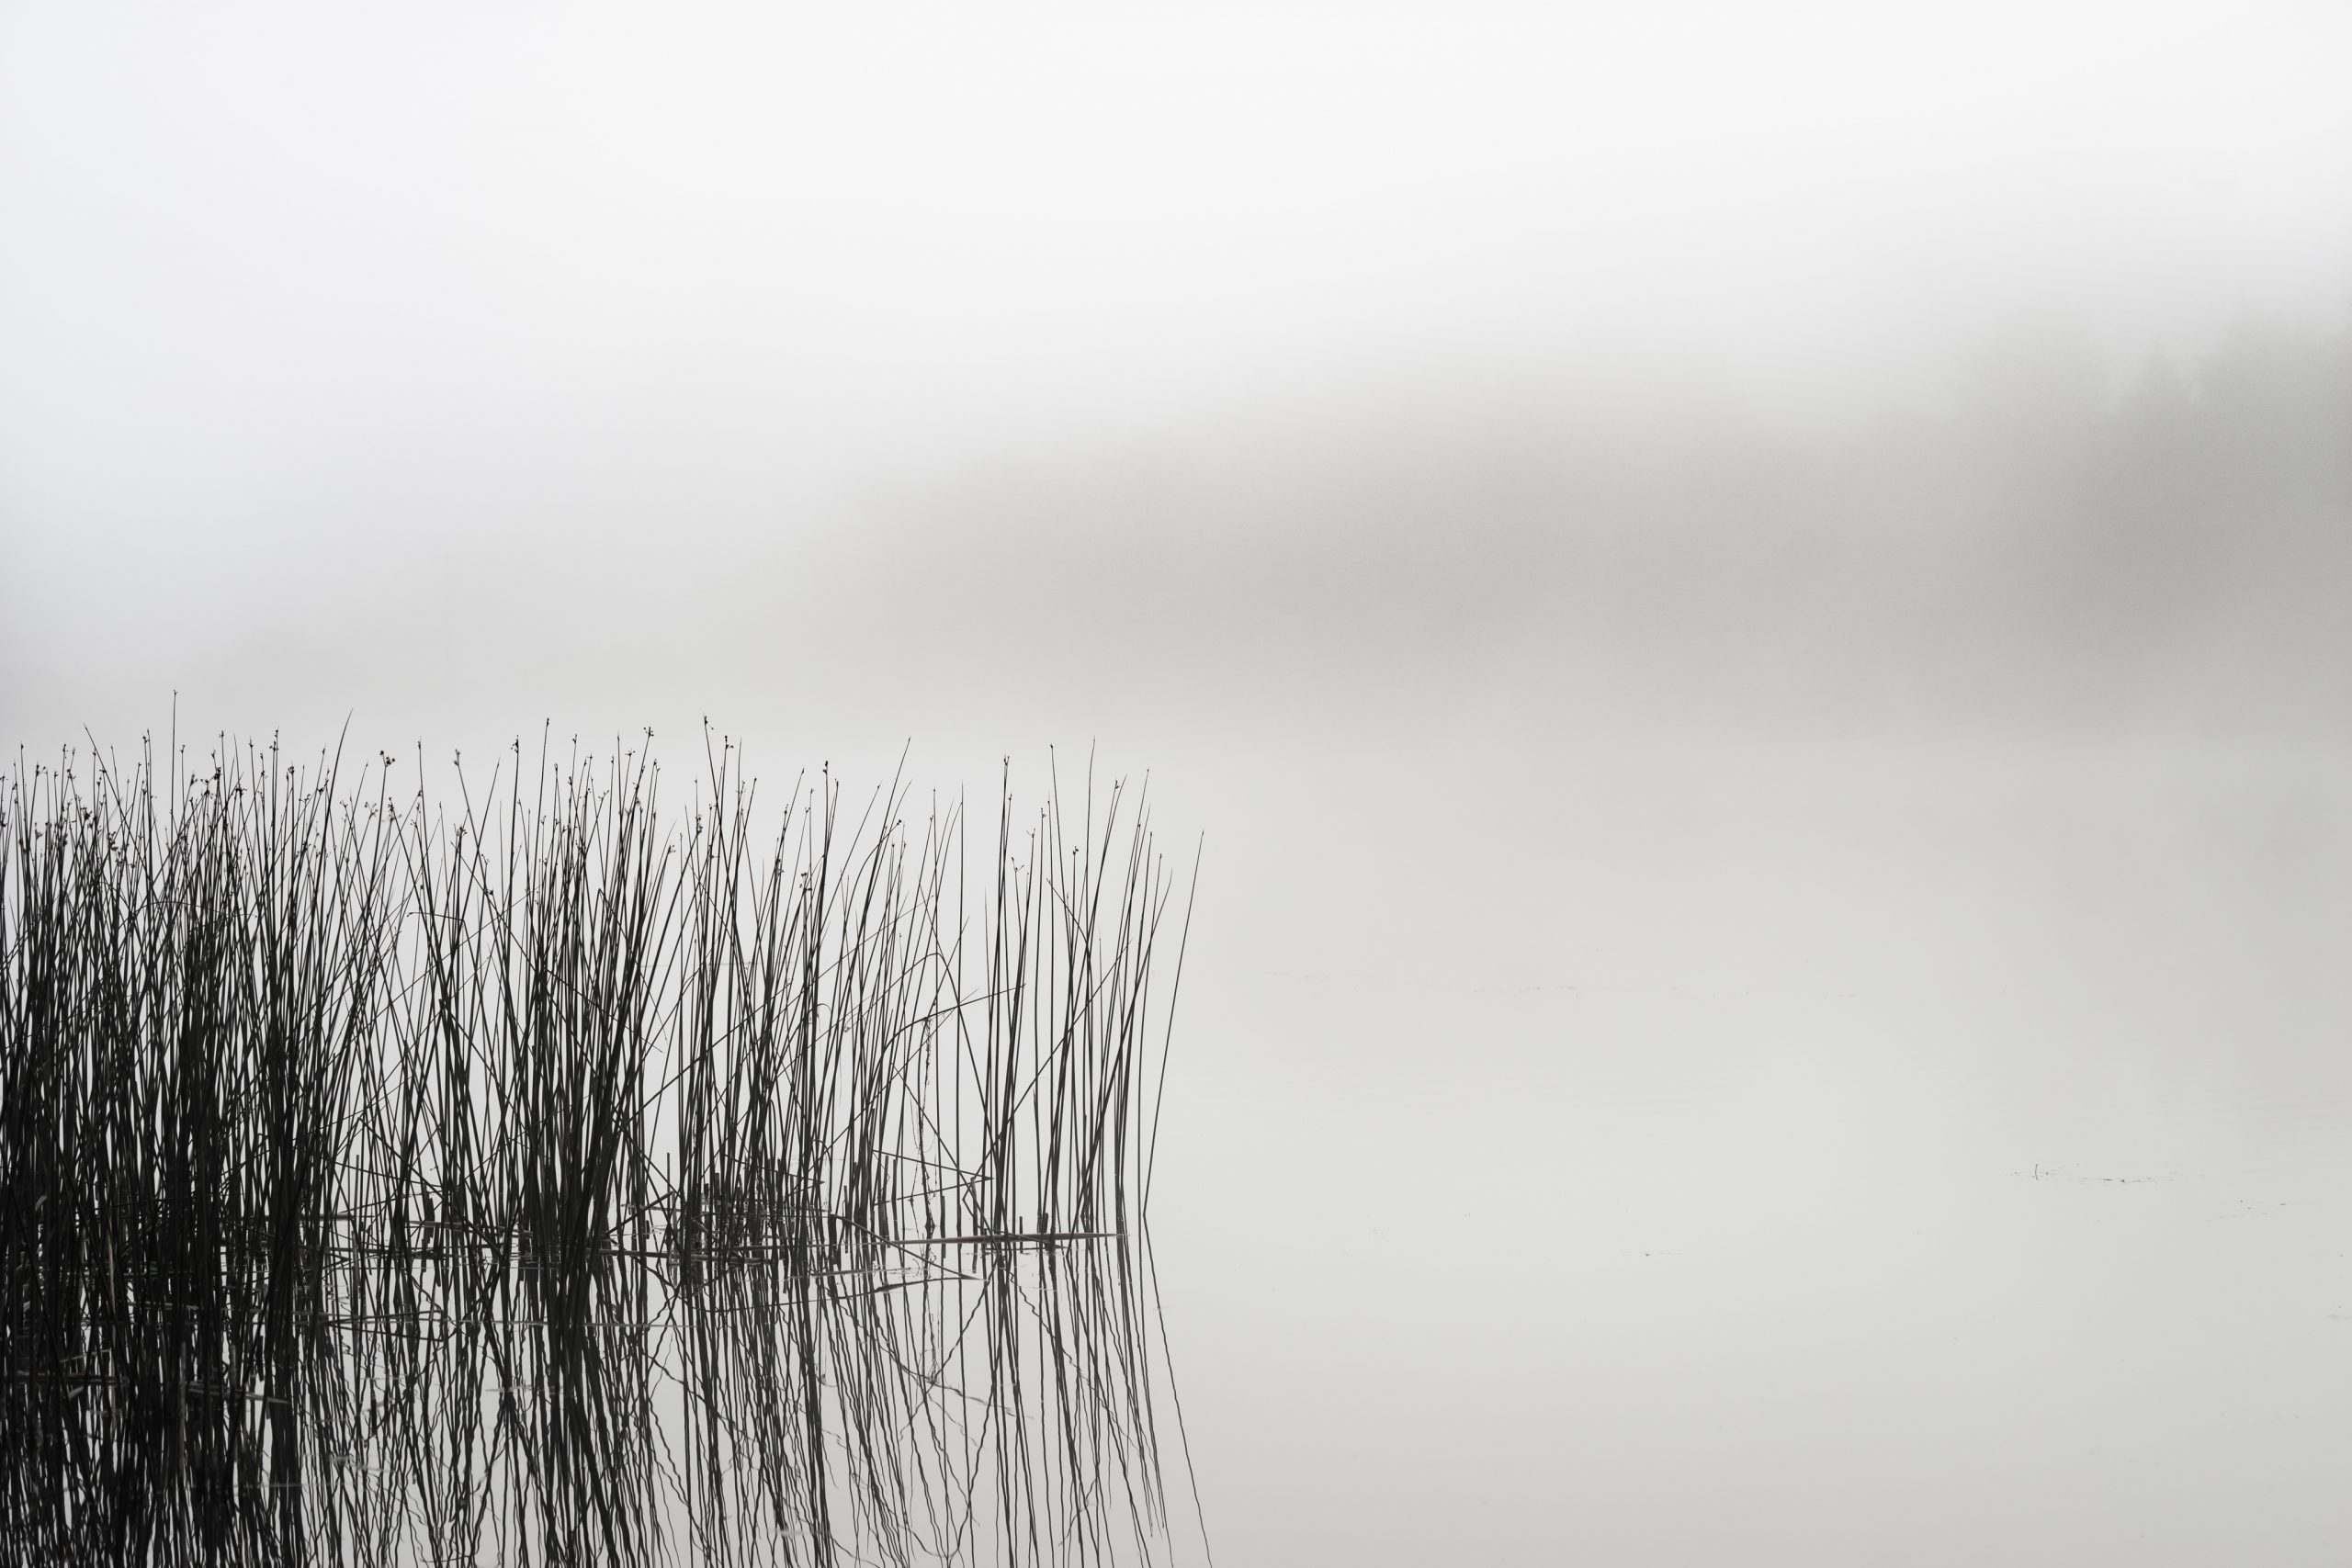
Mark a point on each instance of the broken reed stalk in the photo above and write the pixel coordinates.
(545, 1183)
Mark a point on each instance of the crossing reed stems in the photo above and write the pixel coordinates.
(542, 1178)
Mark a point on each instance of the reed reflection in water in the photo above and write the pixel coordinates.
(546, 1180)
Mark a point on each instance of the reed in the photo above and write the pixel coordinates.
(540, 1178)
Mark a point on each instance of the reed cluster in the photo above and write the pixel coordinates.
(541, 1178)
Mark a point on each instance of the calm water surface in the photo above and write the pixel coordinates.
(1838, 1152)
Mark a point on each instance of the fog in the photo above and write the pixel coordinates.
(2022, 551)
(423, 342)
(1749, 603)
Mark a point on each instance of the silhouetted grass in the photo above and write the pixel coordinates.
(546, 1180)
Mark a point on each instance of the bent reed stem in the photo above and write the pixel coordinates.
(544, 1179)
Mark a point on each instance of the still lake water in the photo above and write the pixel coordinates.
(1899, 1152)
(1586, 1148)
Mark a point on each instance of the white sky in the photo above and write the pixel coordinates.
(458, 267)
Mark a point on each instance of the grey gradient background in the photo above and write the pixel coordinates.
(1755, 603)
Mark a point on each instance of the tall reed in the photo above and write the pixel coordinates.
(540, 1178)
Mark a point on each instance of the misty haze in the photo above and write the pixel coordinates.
(1749, 613)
